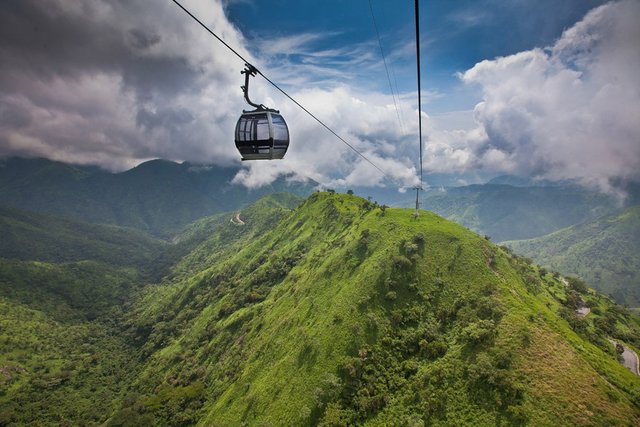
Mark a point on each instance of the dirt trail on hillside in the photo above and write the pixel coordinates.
(236, 219)
(630, 358)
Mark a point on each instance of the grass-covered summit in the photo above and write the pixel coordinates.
(344, 312)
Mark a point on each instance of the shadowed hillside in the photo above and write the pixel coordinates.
(31, 236)
(507, 212)
(604, 252)
(158, 196)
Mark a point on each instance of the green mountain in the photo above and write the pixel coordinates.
(38, 237)
(510, 212)
(604, 252)
(158, 196)
(334, 312)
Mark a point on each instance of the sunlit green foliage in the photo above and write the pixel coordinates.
(336, 314)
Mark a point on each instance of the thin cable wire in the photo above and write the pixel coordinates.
(375, 25)
(325, 126)
(395, 84)
(283, 92)
(210, 32)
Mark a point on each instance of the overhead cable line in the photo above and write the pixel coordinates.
(419, 187)
(281, 90)
(373, 18)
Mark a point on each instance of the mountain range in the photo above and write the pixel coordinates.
(508, 212)
(158, 196)
(162, 197)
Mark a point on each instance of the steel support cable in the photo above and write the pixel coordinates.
(373, 18)
(419, 88)
(282, 91)
(419, 187)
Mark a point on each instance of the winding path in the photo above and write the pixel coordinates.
(630, 358)
(236, 219)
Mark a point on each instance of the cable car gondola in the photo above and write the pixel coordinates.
(261, 134)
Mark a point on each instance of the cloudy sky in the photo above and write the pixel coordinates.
(546, 89)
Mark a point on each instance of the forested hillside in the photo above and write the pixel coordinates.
(38, 237)
(604, 252)
(509, 212)
(159, 196)
(64, 287)
(338, 311)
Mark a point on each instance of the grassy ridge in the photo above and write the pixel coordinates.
(334, 312)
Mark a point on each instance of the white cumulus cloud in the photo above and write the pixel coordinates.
(567, 111)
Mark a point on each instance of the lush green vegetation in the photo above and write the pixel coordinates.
(338, 311)
(506, 212)
(55, 372)
(64, 287)
(605, 253)
(64, 358)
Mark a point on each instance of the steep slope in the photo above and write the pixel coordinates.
(604, 252)
(344, 312)
(158, 196)
(507, 212)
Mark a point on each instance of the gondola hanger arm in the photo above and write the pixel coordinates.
(251, 71)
